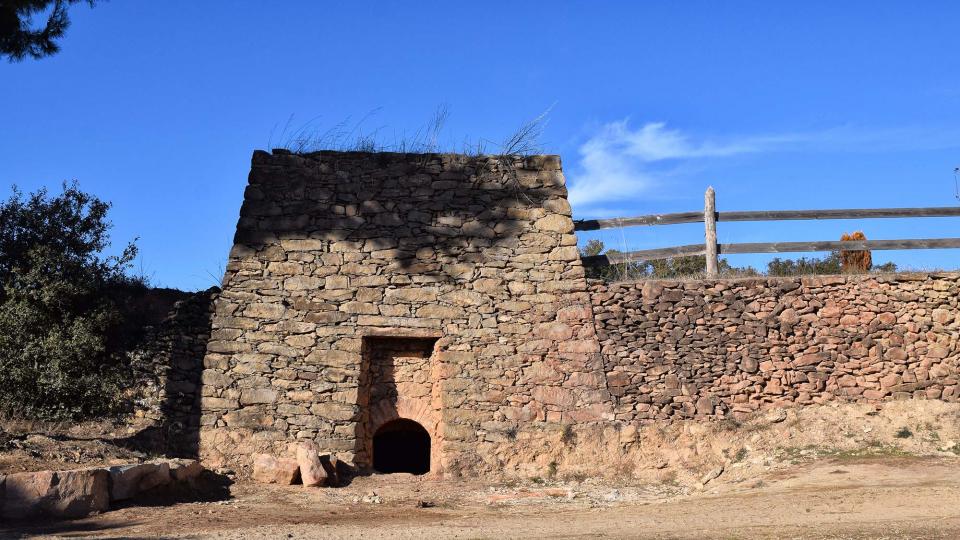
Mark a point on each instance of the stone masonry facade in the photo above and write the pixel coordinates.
(336, 252)
(448, 290)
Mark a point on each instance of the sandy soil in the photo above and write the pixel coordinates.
(850, 497)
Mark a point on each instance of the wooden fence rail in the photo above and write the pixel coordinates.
(766, 215)
(712, 249)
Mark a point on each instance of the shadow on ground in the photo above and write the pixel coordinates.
(209, 487)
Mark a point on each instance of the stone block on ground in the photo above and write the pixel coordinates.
(59, 494)
(183, 470)
(24, 493)
(159, 476)
(125, 479)
(271, 470)
(312, 472)
(81, 493)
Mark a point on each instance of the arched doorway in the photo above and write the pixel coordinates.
(401, 446)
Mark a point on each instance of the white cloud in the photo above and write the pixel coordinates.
(618, 162)
(654, 142)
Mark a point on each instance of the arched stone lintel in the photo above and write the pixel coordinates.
(418, 410)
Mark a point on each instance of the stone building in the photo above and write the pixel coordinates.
(435, 303)
(414, 312)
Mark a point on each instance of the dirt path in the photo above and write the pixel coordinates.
(875, 498)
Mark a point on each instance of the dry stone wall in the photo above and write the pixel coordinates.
(680, 349)
(166, 370)
(336, 250)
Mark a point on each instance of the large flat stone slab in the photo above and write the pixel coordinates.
(24, 494)
(62, 494)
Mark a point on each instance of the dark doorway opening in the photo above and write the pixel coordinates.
(401, 446)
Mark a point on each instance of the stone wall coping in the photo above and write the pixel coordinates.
(533, 161)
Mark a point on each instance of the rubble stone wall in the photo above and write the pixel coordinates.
(335, 249)
(166, 370)
(679, 349)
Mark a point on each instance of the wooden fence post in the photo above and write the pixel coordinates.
(710, 220)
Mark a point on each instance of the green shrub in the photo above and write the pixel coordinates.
(804, 265)
(675, 268)
(65, 310)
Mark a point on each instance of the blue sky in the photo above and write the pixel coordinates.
(157, 106)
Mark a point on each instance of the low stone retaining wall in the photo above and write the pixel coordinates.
(681, 349)
(81, 492)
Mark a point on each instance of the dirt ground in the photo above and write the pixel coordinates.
(37, 446)
(832, 471)
(848, 497)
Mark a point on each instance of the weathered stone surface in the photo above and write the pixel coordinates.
(555, 223)
(184, 470)
(728, 346)
(60, 494)
(705, 405)
(338, 249)
(26, 494)
(158, 477)
(253, 396)
(125, 479)
(312, 472)
(412, 294)
(264, 311)
(944, 316)
(553, 395)
(80, 493)
(271, 470)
